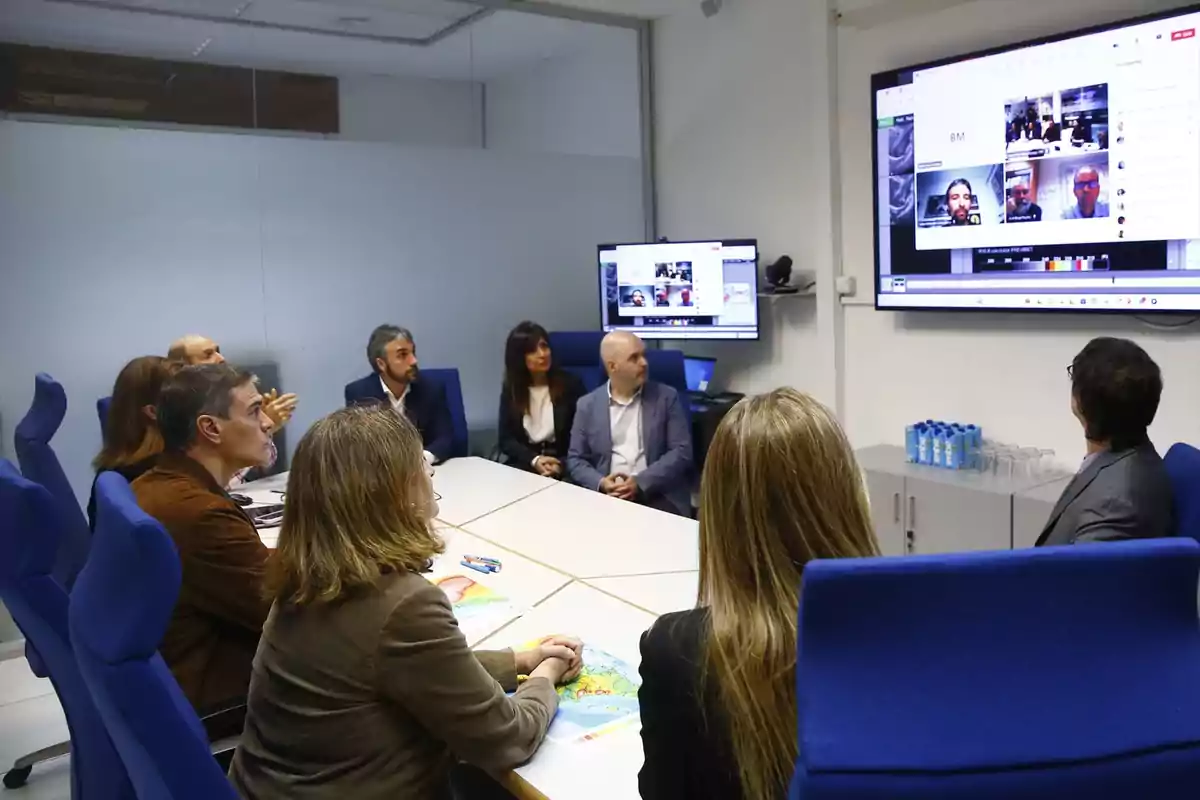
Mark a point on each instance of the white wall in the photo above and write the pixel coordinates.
(113, 242)
(586, 102)
(743, 149)
(411, 111)
(1007, 372)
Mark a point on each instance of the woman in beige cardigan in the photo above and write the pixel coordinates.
(363, 686)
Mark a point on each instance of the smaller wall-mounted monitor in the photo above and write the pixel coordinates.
(681, 290)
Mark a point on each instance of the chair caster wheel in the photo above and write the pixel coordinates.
(15, 778)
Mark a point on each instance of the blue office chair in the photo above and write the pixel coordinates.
(118, 613)
(40, 465)
(1040, 673)
(102, 406)
(666, 366)
(578, 352)
(29, 537)
(449, 379)
(1183, 467)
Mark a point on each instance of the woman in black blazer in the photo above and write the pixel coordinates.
(537, 403)
(718, 697)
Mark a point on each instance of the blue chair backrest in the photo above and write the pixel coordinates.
(40, 465)
(118, 613)
(29, 536)
(449, 379)
(1183, 467)
(666, 366)
(102, 406)
(576, 348)
(1040, 673)
(578, 352)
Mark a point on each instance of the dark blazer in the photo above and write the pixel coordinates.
(375, 696)
(1117, 495)
(514, 441)
(666, 434)
(218, 618)
(426, 407)
(687, 750)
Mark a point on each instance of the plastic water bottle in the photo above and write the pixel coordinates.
(939, 448)
(911, 447)
(925, 445)
(955, 455)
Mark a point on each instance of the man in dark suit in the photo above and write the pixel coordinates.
(392, 354)
(631, 438)
(1122, 491)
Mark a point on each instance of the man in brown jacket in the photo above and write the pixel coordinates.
(212, 425)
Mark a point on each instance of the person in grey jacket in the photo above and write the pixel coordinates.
(1122, 491)
(631, 439)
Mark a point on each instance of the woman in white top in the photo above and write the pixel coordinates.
(537, 403)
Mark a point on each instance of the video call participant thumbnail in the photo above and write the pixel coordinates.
(1087, 196)
(959, 197)
(1021, 207)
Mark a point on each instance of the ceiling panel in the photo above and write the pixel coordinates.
(495, 45)
(443, 9)
(646, 9)
(400, 19)
(37, 22)
(355, 19)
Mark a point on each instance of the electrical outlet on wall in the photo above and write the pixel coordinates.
(846, 286)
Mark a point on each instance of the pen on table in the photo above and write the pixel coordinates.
(494, 562)
(484, 568)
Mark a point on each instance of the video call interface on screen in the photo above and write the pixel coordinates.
(1059, 175)
(681, 290)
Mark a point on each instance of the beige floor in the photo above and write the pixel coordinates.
(30, 719)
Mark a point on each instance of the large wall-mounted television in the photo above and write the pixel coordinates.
(1060, 174)
(681, 290)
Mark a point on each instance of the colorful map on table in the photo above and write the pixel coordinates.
(480, 611)
(603, 698)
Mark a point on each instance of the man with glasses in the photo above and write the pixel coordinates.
(213, 424)
(1122, 490)
(1087, 196)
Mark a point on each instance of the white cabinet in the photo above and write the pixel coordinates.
(886, 493)
(917, 509)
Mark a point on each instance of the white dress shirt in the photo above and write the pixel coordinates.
(628, 447)
(397, 402)
(539, 420)
(398, 407)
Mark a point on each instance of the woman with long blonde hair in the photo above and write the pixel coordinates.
(363, 685)
(780, 488)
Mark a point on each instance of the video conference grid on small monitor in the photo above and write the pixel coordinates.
(999, 175)
(681, 290)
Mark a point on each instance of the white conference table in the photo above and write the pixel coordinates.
(576, 562)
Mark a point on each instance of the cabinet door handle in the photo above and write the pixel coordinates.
(912, 512)
(896, 507)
